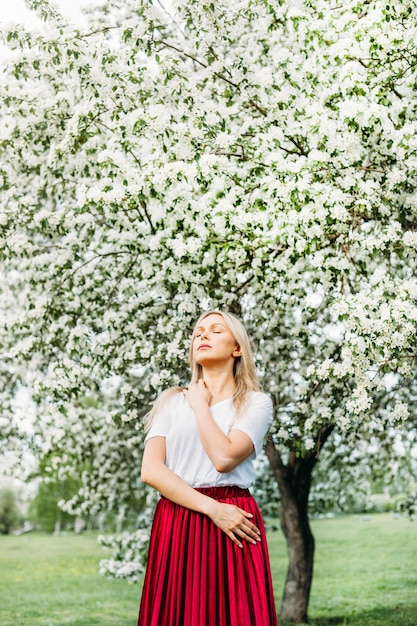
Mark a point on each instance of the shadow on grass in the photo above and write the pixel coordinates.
(403, 615)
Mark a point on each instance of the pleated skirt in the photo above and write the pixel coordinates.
(196, 576)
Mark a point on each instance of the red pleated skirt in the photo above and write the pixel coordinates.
(196, 576)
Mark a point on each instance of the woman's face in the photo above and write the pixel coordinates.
(213, 342)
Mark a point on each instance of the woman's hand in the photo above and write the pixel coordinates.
(235, 523)
(197, 394)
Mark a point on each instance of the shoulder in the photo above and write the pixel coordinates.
(255, 417)
(259, 399)
(164, 406)
(257, 407)
(170, 397)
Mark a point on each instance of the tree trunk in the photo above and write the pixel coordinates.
(79, 525)
(294, 481)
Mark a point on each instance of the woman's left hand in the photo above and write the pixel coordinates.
(197, 394)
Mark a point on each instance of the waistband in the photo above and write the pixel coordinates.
(227, 491)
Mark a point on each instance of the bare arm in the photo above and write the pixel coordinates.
(225, 451)
(230, 519)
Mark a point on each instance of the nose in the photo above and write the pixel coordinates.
(204, 335)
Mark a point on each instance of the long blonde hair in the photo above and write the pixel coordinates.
(244, 370)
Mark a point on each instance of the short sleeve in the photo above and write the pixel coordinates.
(255, 418)
(162, 421)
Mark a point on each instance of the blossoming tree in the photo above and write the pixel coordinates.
(259, 156)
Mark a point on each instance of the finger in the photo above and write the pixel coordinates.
(245, 513)
(248, 522)
(249, 534)
(253, 532)
(248, 539)
(251, 525)
(235, 539)
(246, 530)
(250, 528)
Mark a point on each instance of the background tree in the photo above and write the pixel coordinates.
(254, 155)
(10, 516)
(44, 511)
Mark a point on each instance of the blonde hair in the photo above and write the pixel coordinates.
(244, 370)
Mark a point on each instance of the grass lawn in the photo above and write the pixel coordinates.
(365, 575)
(365, 571)
(49, 581)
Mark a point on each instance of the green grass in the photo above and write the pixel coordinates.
(365, 575)
(52, 581)
(365, 571)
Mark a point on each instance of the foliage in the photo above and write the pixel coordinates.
(253, 155)
(130, 550)
(10, 516)
(266, 492)
(352, 479)
(129, 554)
(409, 504)
(44, 511)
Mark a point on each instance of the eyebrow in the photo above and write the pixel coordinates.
(211, 326)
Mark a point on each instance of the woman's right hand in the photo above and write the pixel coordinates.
(235, 523)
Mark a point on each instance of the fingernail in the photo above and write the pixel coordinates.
(240, 545)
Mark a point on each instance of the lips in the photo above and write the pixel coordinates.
(203, 345)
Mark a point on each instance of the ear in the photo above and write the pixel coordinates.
(237, 352)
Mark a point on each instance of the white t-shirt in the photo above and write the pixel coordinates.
(185, 454)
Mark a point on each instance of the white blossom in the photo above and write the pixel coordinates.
(259, 158)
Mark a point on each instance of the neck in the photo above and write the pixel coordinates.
(220, 384)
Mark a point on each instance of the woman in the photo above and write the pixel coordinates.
(208, 558)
